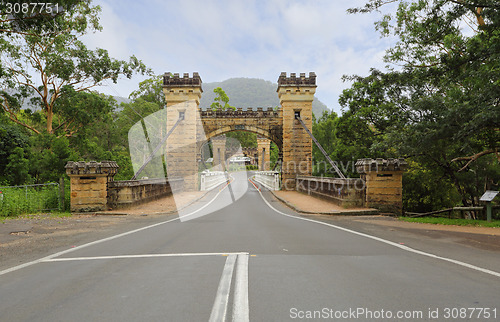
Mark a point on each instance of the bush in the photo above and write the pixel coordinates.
(28, 199)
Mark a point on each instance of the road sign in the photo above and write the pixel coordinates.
(489, 195)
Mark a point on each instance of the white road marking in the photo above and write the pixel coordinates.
(388, 242)
(219, 308)
(69, 259)
(44, 259)
(240, 303)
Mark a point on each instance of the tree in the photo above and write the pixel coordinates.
(32, 18)
(151, 90)
(440, 107)
(45, 60)
(221, 101)
(49, 154)
(17, 169)
(11, 137)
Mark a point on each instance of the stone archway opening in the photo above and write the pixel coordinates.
(258, 154)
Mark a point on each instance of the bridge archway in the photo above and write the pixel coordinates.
(263, 148)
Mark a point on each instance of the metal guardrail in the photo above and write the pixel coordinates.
(269, 179)
(210, 180)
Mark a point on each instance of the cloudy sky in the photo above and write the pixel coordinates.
(247, 38)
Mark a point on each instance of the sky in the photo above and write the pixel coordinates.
(247, 38)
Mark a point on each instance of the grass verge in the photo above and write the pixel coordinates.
(456, 222)
(56, 214)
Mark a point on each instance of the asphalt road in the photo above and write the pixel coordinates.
(235, 256)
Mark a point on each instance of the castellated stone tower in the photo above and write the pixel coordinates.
(296, 95)
(183, 99)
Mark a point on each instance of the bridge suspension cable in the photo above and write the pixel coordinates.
(162, 142)
(334, 166)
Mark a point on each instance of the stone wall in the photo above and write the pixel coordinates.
(346, 193)
(123, 194)
(93, 188)
(380, 186)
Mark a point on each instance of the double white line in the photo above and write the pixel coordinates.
(240, 300)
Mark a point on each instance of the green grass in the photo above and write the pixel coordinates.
(456, 222)
(18, 201)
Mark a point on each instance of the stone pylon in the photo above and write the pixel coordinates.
(296, 95)
(383, 183)
(264, 153)
(219, 152)
(183, 99)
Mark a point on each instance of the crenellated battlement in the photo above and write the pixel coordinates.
(174, 80)
(240, 113)
(293, 80)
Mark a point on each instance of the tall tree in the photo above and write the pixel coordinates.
(43, 60)
(150, 90)
(441, 105)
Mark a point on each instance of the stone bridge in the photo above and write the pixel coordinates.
(296, 94)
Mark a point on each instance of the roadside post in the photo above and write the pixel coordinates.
(488, 197)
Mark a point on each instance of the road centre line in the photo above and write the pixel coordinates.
(99, 241)
(219, 309)
(240, 303)
(388, 242)
(69, 259)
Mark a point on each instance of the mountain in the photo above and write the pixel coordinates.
(249, 92)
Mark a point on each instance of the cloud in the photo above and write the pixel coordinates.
(223, 39)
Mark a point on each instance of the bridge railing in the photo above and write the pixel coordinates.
(343, 192)
(126, 193)
(269, 179)
(210, 180)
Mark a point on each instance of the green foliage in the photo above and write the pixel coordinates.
(274, 155)
(345, 139)
(53, 54)
(246, 139)
(49, 154)
(150, 90)
(11, 137)
(17, 201)
(17, 169)
(455, 222)
(440, 109)
(251, 167)
(426, 189)
(221, 100)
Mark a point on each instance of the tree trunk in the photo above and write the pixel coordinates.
(50, 116)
